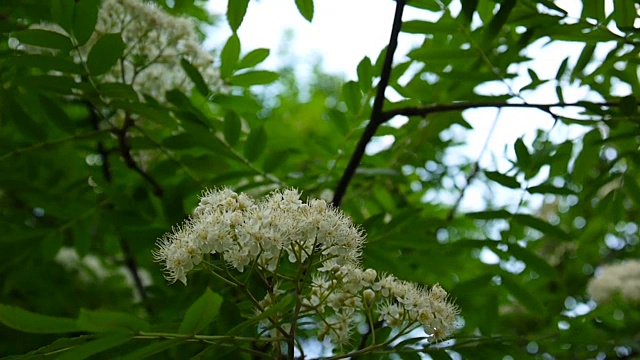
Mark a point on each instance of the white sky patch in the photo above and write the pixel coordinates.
(342, 32)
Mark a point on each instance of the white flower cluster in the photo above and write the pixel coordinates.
(244, 231)
(622, 278)
(155, 43)
(341, 295)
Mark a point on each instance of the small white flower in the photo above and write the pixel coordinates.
(156, 42)
(622, 278)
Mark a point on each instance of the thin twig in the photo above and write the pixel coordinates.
(376, 112)
(129, 258)
(167, 153)
(125, 153)
(132, 266)
(476, 169)
(102, 151)
(49, 143)
(456, 204)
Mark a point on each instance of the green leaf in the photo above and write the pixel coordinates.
(560, 159)
(550, 189)
(440, 56)
(105, 53)
(593, 9)
(232, 128)
(502, 179)
(305, 7)
(152, 349)
(236, 10)
(46, 62)
(520, 293)
(562, 68)
(377, 66)
(489, 215)
(85, 17)
(27, 124)
(425, 5)
(194, 74)
(148, 112)
(628, 105)
(383, 197)
(632, 189)
(103, 343)
(62, 13)
(624, 14)
(352, 96)
(116, 90)
(281, 305)
(56, 115)
(229, 56)
(256, 143)
(26, 321)
(61, 85)
(274, 160)
(428, 27)
(534, 261)
(59, 345)
(179, 100)
(559, 93)
(44, 38)
(551, 5)
(583, 60)
(103, 321)
(587, 158)
(500, 18)
(201, 313)
(365, 74)
(408, 355)
(253, 58)
(257, 77)
(468, 8)
(542, 226)
(438, 354)
(524, 158)
(239, 104)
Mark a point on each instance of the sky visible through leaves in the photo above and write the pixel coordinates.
(340, 36)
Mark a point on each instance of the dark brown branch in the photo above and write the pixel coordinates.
(436, 108)
(125, 153)
(132, 266)
(129, 259)
(377, 117)
(102, 151)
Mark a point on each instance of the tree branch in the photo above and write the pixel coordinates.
(102, 151)
(456, 205)
(125, 152)
(132, 266)
(377, 117)
(436, 108)
(121, 134)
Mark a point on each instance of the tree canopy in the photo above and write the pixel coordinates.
(313, 240)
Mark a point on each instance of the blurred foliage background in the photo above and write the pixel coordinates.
(83, 204)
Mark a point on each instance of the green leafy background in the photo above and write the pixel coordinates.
(55, 196)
